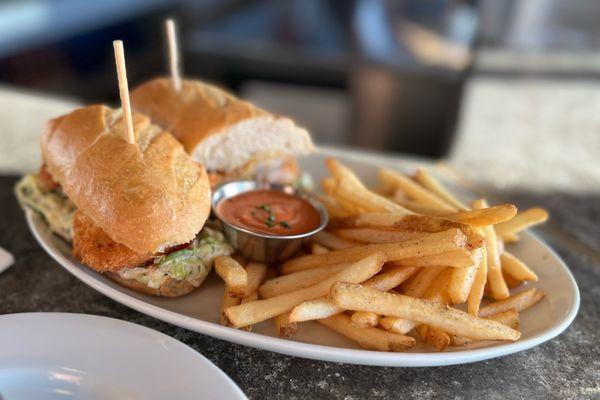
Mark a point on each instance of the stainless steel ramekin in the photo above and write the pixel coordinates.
(263, 247)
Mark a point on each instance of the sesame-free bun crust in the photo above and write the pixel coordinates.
(147, 196)
(217, 129)
(169, 288)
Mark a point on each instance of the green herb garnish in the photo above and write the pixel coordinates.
(285, 225)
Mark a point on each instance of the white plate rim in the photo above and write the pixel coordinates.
(315, 351)
(77, 317)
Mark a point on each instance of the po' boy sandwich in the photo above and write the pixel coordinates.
(134, 212)
(232, 138)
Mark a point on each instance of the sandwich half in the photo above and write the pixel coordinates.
(135, 212)
(232, 138)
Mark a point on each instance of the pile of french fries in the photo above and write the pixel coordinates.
(406, 262)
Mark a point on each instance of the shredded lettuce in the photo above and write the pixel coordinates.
(191, 264)
(53, 205)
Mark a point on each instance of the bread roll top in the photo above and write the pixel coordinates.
(147, 196)
(219, 130)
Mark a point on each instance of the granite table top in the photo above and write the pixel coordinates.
(566, 367)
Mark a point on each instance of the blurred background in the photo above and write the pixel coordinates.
(506, 84)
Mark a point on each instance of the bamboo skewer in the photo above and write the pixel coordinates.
(173, 54)
(124, 90)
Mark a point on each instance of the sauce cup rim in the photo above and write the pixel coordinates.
(243, 186)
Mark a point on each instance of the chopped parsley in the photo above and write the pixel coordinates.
(270, 220)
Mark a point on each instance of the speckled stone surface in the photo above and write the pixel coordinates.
(566, 367)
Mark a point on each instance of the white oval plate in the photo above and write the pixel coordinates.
(199, 311)
(75, 356)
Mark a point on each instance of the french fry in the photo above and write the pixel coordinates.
(396, 325)
(477, 287)
(298, 280)
(362, 319)
(461, 282)
(340, 171)
(368, 338)
(256, 273)
(484, 216)
(324, 308)
(233, 274)
(334, 209)
(435, 243)
(247, 299)
(511, 282)
(498, 287)
(509, 318)
(430, 183)
(456, 258)
(355, 297)
(314, 309)
(316, 248)
(329, 186)
(332, 241)
(421, 282)
(391, 278)
(370, 235)
(436, 338)
(284, 327)
(459, 341)
(518, 303)
(516, 268)
(416, 207)
(520, 222)
(358, 195)
(392, 179)
(260, 310)
(228, 301)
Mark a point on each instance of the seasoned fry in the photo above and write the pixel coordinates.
(368, 338)
(456, 258)
(369, 235)
(461, 282)
(397, 325)
(416, 207)
(233, 275)
(520, 222)
(436, 338)
(298, 280)
(340, 171)
(316, 248)
(284, 327)
(394, 180)
(260, 310)
(349, 192)
(421, 282)
(359, 298)
(511, 282)
(508, 318)
(498, 287)
(332, 242)
(362, 319)
(314, 309)
(255, 272)
(516, 268)
(435, 243)
(329, 186)
(484, 216)
(459, 341)
(323, 307)
(478, 287)
(391, 278)
(228, 301)
(334, 209)
(430, 183)
(518, 303)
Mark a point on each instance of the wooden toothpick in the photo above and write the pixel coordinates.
(124, 90)
(173, 54)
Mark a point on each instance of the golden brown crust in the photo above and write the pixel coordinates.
(178, 112)
(95, 249)
(147, 196)
(170, 287)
